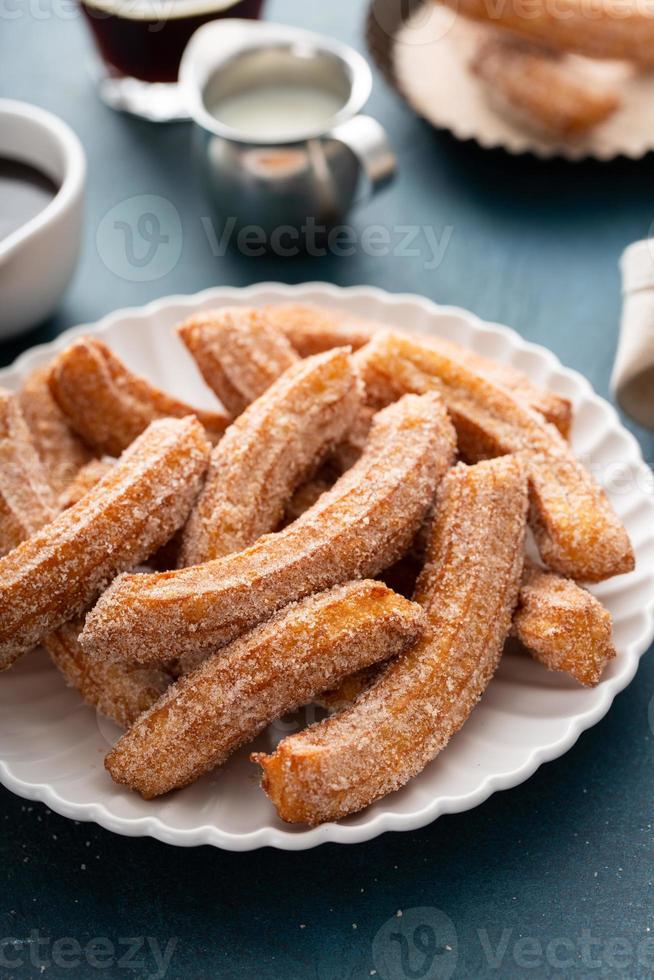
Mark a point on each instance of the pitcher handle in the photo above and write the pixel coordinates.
(367, 140)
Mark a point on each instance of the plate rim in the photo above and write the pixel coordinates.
(384, 821)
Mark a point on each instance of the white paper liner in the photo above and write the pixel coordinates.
(431, 54)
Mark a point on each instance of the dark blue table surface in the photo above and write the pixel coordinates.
(552, 879)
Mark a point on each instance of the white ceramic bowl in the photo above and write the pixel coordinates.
(37, 260)
(52, 745)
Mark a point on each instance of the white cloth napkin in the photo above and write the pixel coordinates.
(633, 372)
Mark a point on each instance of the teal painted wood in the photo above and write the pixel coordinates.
(550, 879)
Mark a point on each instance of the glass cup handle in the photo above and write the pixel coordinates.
(367, 140)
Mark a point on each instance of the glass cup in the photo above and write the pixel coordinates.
(141, 42)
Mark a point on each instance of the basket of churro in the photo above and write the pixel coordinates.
(364, 521)
(572, 78)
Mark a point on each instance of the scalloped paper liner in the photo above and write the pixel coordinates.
(429, 64)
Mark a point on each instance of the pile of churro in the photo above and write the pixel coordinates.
(348, 526)
(537, 61)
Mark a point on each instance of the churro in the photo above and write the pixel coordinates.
(268, 451)
(53, 575)
(468, 589)
(563, 626)
(239, 353)
(542, 88)
(364, 523)
(26, 500)
(61, 451)
(116, 690)
(613, 29)
(270, 671)
(312, 329)
(107, 405)
(577, 532)
(87, 477)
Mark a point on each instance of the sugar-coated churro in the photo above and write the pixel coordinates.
(349, 689)
(53, 575)
(312, 329)
(613, 29)
(268, 451)
(26, 499)
(116, 690)
(468, 588)
(364, 523)
(239, 353)
(270, 671)
(108, 405)
(87, 477)
(577, 532)
(541, 87)
(563, 626)
(60, 449)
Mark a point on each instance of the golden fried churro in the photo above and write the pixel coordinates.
(239, 353)
(51, 577)
(363, 524)
(267, 452)
(117, 691)
(563, 626)
(541, 87)
(107, 405)
(270, 671)
(312, 329)
(26, 500)
(61, 451)
(577, 532)
(90, 474)
(614, 29)
(468, 588)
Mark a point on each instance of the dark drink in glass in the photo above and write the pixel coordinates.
(142, 41)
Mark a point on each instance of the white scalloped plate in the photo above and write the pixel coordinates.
(52, 745)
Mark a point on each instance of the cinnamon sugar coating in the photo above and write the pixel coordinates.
(541, 87)
(614, 29)
(563, 626)
(239, 353)
(116, 690)
(60, 450)
(363, 524)
(312, 329)
(468, 588)
(88, 476)
(26, 500)
(268, 451)
(108, 405)
(577, 531)
(262, 675)
(52, 576)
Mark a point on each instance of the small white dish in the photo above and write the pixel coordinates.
(52, 745)
(37, 260)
